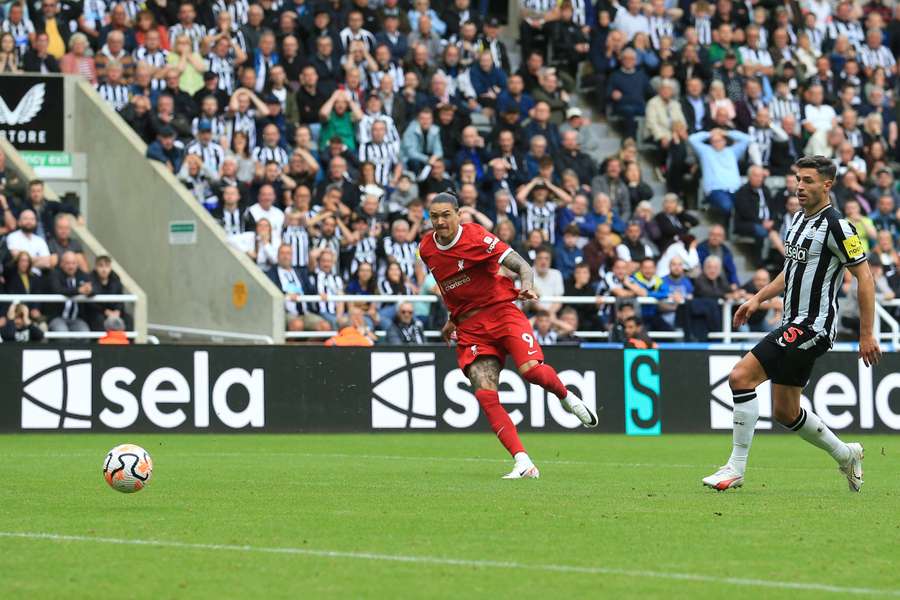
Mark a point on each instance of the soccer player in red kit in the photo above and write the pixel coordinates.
(465, 260)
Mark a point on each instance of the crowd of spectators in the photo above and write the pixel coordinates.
(317, 133)
(39, 255)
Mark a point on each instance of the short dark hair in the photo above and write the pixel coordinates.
(103, 260)
(544, 249)
(823, 166)
(35, 182)
(446, 198)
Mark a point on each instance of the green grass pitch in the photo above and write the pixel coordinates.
(427, 516)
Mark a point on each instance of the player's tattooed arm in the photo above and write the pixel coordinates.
(518, 265)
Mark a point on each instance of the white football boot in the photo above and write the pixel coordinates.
(526, 471)
(726, 477)
(853, 469)
(576, 406)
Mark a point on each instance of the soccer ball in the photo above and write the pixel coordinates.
(127, 468)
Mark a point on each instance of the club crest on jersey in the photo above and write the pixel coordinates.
(795, 252)
(492, 243)
(461, 263)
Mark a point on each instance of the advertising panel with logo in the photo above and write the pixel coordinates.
(316, 389)
(31, 111)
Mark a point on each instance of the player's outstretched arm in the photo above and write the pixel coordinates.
(518, 265)
(746, 310)
(868, 345)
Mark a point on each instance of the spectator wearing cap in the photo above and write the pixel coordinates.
(491, 42)
(628, 88)
(209, 151)
(719, 165)
(166, 149)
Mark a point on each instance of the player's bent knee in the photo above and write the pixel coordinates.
(527, 366)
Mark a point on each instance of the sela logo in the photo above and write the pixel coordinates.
(57, 388)
(27, 108)
(404, 395)
(836, 398)
(795, 252)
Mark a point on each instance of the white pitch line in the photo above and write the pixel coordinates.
(462, 562)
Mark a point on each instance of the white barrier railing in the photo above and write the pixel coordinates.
(93, 335)
(178, 332)
(59, 298)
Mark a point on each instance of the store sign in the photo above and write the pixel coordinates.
(32, 111)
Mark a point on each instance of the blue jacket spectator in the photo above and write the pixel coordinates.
(485, 81)
(715, 246)
(567, 254)
(515, 98)
(719, 165)
(421, 141)
(548, 130)
(629, 87)
(578, 214)
(167, 150)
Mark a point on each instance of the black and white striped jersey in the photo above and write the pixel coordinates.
(780, 107)
(196, 32)
(394, 70)
(384, 156)
(406, 254)
(297, 238)
(542, 218)
(132, 7)
(852, 29)
(877, 57)
(224, 68)
(20, 32)
(817, 248)
(265, 154)
(116, 96)
(329, 284)
(238, 10)
(660, 27)
(157, 59)
(219, 126)
(212, 154)
(364, 251)
(245, 122)
(348, 36)
(392, 136)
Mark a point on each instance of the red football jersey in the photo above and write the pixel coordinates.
(467, 269)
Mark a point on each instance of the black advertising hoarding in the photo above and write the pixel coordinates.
(316, 389)
(32, 111)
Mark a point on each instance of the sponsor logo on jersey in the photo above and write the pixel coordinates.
(491, 242)
(455, 282)
(795, 252)
(853, 246)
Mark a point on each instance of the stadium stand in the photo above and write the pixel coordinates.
(650, 141)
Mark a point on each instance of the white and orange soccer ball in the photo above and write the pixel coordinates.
(127, 468)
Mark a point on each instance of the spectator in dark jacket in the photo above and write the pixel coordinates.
(715, 246)
(167, 150)
(67, 279)
(629, 88)
(37, 59)
(105, 281)
(567, 253)
(673, 221)
(405, 329)
(571, 157)
(754, 211)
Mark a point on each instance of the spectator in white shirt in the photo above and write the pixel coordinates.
(547, 281)
(260, 245)
(630, 20)
(24, 239)
(818, 118)
(265, 209)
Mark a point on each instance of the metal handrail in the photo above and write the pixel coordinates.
(884, 315)
(430, 298)
(177, 332)
(434, 333)
(90, 335)
(59, 298)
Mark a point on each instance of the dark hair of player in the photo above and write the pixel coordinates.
(823, 166)
(446, 198)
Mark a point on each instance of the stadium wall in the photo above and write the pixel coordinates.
(195, 278)
(316, 389)
(92, 247)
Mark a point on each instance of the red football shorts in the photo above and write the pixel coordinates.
(498, 330)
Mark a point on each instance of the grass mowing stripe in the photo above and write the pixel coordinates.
(461, 562)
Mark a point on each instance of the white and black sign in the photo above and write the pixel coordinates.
(31, 112)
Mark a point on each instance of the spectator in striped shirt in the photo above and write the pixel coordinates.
(270, 150)
(382, 155)
(114, 91)
(210, 152)
(327, 283)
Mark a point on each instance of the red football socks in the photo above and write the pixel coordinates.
(500, 421)
(545, 376)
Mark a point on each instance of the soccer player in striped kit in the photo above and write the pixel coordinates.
(819, 245)
(465, 260)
